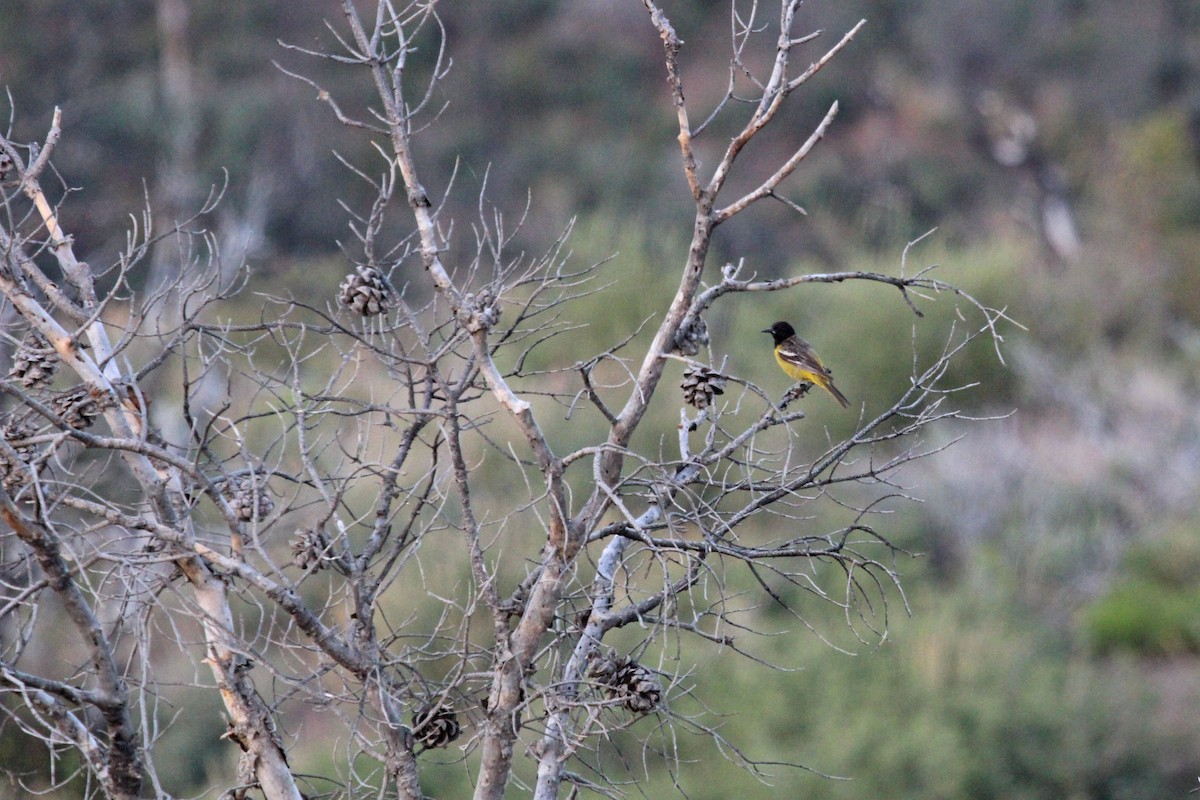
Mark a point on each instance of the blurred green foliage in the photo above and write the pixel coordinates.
(969, 700)
(1154, 609)
(1146, 618)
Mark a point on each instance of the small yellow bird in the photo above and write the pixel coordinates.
(797, 359)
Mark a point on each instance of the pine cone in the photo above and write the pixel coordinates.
(14, 472)
(691, 336)
(366, 292)
(35, 362)
(249, 499)
(699, 385)
(77, 407)
(624, 679)
(435, 725)
(309, 548)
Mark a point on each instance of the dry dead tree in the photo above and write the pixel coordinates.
(296, 502)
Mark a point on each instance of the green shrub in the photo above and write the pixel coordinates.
(1155, 610)
(1145, 618)
(971, 698)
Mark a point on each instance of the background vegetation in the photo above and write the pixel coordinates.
(1051, 650)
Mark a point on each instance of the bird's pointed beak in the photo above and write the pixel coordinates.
(766, 330)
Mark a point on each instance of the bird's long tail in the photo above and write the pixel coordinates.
(827, 385)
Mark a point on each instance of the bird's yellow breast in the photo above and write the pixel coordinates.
(796, 373)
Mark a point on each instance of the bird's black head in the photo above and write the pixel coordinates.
(781, 331)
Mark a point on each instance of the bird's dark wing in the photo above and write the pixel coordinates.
(798, 352)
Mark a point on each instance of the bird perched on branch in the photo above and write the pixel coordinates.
(797, 359)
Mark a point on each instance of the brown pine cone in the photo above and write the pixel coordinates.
(435, 725)
(365, 292)
(699, 385)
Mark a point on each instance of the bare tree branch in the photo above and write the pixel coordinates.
(405, 506)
